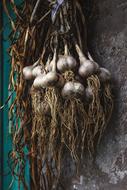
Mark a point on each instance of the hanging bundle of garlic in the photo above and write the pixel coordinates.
(63, 98)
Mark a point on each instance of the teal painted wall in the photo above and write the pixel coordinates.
(5, 138)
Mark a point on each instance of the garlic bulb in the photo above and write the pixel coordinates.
(71, 62)
(49, 79)
(66, 62)
(62, 64)
(27, 72)
(73, 89)
(104, 75)
(37, 71)
(87, 66)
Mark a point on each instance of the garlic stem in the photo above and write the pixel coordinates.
(53, 62)
(65, 50)
(80, 53)
(36, 63)
(90, 57)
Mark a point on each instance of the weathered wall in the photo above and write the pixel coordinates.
(108, 45)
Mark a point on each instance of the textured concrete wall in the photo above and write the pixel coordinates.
(108, 45)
